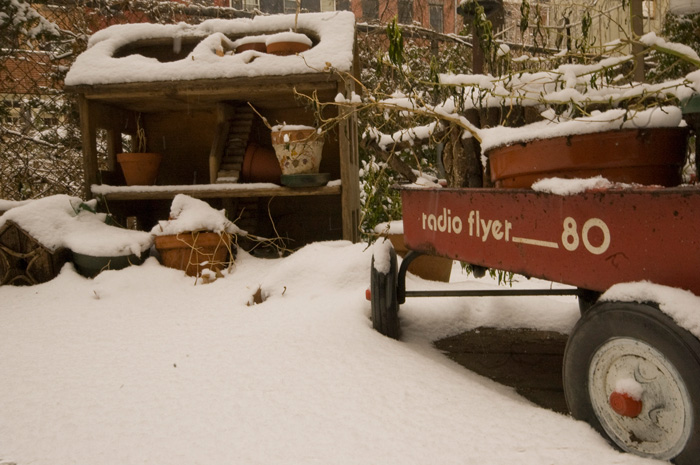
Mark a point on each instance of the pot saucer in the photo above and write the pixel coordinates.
(305, 180)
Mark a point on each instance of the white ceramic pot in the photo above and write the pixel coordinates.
(298, 151)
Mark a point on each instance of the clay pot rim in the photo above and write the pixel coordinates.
(290, 37)
(638, 155)
(130, 155)
(286, 48)
(295, 135)
(573, 138)
(623, 136)
(203, 238)
(256, 46)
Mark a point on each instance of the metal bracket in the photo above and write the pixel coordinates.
(401, 277)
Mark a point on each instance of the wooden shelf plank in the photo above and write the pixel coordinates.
(203, 191)
(264, 91)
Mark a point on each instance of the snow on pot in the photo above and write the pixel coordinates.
(97, 245)
(298, 148)
(255, 43)
(649, 148)
(287, 43)
(63, 223)
(197, 238)
(684, 7)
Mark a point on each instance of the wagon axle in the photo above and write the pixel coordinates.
(402, 292)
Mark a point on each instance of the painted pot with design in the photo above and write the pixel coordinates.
(299, 149)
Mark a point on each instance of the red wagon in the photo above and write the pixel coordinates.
(592, 241)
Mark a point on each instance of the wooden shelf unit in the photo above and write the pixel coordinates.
(186, 121)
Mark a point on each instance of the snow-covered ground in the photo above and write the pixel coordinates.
(143, 366)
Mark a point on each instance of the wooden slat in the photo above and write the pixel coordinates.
(211, 191)
(349, 169)
(88, 133)
(266, 91)
(216, 87)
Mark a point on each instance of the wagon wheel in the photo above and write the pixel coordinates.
(632, 373)
(385, 306)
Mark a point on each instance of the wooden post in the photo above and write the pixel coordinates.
(114, 146)
(89, 138)
(349, 169)
(637, 26)
(114, 121)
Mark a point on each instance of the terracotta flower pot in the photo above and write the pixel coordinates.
(653, 156)
(260, 165)
(194, 251)
(256, 46)
(140, 169)
(298, 151)
(429, 267)
(287, 43)
(286, 48)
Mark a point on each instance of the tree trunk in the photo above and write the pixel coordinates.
(462, 157)
(392, 159)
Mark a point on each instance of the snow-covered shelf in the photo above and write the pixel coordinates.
(192, 97)
(204, 191)
(120, 54)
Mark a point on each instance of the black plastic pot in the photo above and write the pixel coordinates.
(90, 266)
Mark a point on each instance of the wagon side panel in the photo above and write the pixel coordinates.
(591, 240)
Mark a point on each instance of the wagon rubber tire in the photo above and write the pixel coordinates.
(385, 305)
(625, 341)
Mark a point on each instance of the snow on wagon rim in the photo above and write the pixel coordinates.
(335, 32)
(657, 117)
